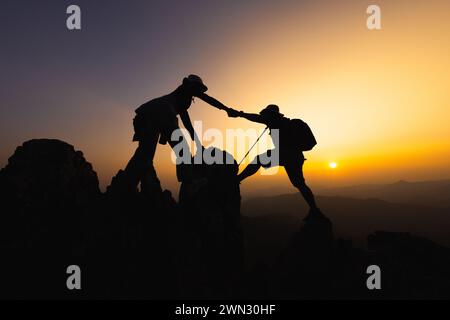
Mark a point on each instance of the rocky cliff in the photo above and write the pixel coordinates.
(148, 246)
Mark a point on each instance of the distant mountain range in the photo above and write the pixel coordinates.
(430, 193)
(199, 247)
(270, 222)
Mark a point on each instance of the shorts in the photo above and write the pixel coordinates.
(146, 126)
(274, 158)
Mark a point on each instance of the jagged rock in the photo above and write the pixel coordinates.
(412, 266)
(136, 240)
(318, 232)
(196, 245)
(119, 185)
(147, 246)
(304, 266)
(49, 171)
(211, 206)
(383, 241)
(50, 189)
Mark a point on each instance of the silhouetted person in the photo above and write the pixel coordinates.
(155, 121)
(290, 156)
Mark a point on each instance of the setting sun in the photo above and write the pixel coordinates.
(333, 165)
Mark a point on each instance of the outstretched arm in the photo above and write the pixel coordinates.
(213, 102)
(254, 117)
(231, 112)
(188, 125)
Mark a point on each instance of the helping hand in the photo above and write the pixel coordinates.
(233, 113)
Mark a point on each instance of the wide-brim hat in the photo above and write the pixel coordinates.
(197, 81)
(271, 110)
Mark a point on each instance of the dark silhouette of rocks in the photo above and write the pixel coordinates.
(313, 266)
(211, 203)
(306, 262)
(417, 267)
(47, 191)
(132, 245)
(48, 171)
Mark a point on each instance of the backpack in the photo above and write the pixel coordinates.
(300, 135)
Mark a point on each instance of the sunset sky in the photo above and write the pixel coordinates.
(377, 101)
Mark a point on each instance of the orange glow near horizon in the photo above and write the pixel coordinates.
(377, 101)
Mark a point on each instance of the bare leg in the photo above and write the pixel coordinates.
(308, 196)
(295, 175)
(140, 167)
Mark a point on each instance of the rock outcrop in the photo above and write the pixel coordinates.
(196, 244)
(47, 193)
(210, 202)
(306, 262)
(148, 246)
(46, 171)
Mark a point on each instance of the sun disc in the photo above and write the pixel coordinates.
(332, 165)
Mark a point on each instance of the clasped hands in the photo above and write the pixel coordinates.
(233, 113)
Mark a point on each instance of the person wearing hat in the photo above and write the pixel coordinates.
(155, 121)
(289, 156)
